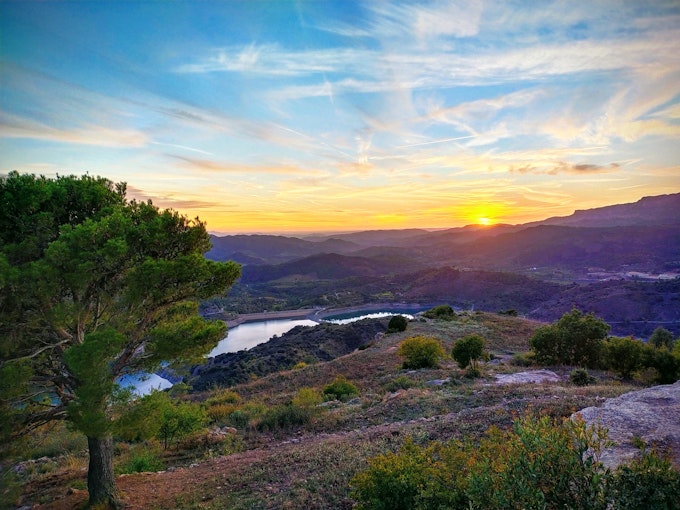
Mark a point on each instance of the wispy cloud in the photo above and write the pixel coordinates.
(13, 126)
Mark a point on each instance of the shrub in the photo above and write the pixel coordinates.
(575, 339)
(581, 377)
(295, 413)
(400, 383)
(307, 398)
(468, 350)
(340, 389)
(414, 477)
(421, 352)
(141, 462)
(179, 420)
(661, 337)
(440, 312)
(397, 323)
(666, 363)
(523, 359)
(647, 482)
(224, 397)
(622, 355)
(539, 464)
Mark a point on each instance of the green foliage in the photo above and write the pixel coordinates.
(93, 287)
(467, 350)
(623, 355)
(402, 382)
(539, 464)
(412, 478)
(421, 352)
(664, 362)
(90, 363)
(661, 337)
(307, 398)
(443, 312)
(397, 323)
(523, 359)
(581, 377)
(224, 397)
(575, 339)
(649, 481)
(340, 389)
(146, 460)
(178, 420)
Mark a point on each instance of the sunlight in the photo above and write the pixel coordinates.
(484, 221)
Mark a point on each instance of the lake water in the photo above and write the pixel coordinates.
(249, 334)
(246, 336)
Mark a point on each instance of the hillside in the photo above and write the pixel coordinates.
(297, 466)
(537, 269)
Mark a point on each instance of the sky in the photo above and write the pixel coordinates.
(314, 116)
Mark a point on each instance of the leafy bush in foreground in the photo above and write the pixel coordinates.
(538, 464)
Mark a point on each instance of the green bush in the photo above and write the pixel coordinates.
(402, 382)
(141, 462)
(412, 478)
(440, 312)
(622, 355)
(665, 363)
(299, 411)
(468, 350)
(575, 339)
(581, 377)
(661, 337)
(421, 352)
(397, 323)
(523, 359)
(649, 482)
(340, 389)
(179, 420)
(538, 464)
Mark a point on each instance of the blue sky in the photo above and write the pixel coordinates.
(285, 116)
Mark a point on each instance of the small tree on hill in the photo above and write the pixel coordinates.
(575, 339)
(661, 337)
(397, 323)
(421, 352)
(468, 350)
(623, 355)
(93, 287)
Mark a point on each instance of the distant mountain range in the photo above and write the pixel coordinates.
(641, 236)
(536, 268)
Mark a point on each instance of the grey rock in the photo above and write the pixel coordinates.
(532, 376)
(652, 414)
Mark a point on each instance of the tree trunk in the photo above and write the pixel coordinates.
(101, 484)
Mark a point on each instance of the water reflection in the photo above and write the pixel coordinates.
(250, 334)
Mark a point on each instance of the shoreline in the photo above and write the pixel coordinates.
(318, 314)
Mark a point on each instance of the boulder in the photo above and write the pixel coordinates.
(652, 414)
(532, 376)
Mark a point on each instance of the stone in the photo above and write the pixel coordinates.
(531, 376)
(651, 414)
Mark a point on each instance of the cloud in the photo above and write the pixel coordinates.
(212, 166)
(563, 167)
(14, 126)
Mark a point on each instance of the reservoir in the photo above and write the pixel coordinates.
(248, 335)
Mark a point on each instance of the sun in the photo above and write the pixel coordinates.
(484, 220)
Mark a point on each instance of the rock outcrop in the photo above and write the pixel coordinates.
(652, 414)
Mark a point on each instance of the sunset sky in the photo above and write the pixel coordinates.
(300, 116)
